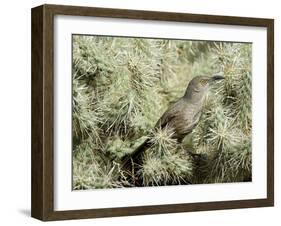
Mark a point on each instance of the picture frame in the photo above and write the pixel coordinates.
(43, 85)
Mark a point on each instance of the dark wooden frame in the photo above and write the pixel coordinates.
(42, 203)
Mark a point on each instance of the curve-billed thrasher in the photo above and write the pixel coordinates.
(181, 117)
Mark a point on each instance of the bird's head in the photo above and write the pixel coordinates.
(199, 85)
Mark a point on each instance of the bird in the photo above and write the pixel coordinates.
(181, 117)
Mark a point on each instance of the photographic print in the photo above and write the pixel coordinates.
(158, 112)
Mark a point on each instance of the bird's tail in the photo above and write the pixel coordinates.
(132, 161)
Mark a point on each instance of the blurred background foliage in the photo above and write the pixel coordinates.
(121, 86)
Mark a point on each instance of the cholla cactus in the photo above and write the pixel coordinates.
(166, 162)
(121, 86)
(224, 132)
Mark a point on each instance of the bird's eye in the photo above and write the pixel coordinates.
(203, 82)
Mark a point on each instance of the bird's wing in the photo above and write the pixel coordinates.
(171, 113)
(193, 122)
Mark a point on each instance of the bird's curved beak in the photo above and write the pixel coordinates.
(217, 77)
